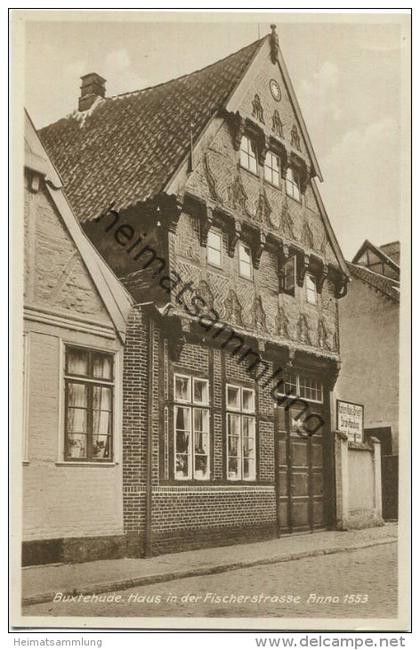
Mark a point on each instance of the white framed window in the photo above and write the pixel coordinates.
(289, 276)
(89, 405)
(245, 261)
(241, 433)
(310, 289)
(214, 248)
(310, 388)
(293, 184)
(191, 428)
(272, 169)
(299, 385)
(248, 155)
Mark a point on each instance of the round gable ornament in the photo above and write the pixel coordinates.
(275, 90)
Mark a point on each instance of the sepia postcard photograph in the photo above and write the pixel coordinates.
(211, 368)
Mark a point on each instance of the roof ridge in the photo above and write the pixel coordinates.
(188, 74)
(366, 268)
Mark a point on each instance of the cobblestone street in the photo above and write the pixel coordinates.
(357, 584)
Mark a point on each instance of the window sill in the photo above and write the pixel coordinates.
(87, 463)
(249, 171)
(273, 185)
(215, 266)
(298, 201)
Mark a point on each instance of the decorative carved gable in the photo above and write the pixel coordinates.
(258, 315)
(307, 236)
(237, 195)
(277, 124)
(295, 138)
(282, 323)
(204, 292)
(323, 335)
(264, 212)
(303, 330)
(287, 222)
(210, 162)
(233, 309)
(257, 109)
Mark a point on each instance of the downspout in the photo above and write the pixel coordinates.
(149, 458)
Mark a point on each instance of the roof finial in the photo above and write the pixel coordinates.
(274, 43)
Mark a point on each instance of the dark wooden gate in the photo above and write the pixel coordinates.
(389, 472)
(303, 461)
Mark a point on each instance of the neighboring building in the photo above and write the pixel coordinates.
(75, 313)
(201, 195)
(369, 340)
(369, 345)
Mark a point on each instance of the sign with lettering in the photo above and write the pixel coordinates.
(350, 420)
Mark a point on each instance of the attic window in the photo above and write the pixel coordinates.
(248, 154)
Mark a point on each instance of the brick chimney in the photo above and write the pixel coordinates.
(93, 86)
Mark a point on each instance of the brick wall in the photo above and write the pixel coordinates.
(198, 513)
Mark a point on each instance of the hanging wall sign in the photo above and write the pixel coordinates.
(350, 420)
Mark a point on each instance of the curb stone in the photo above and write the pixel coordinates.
(126, 583)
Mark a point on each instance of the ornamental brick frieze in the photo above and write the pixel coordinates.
(277, 124)
(237, 195)
(212, 161)
(257, 109)
(302, 330)
(286, 222)
(323, 335)
(219, 287)
(264, 212)
(282, 323)
(307, 236)
(233, 309)
(295, 138)
(259, 319)
(204, 292)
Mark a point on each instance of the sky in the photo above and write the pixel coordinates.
(347, 78)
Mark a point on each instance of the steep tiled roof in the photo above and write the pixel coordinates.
(392, 249)
(115, 297)
(386, 286)
(125, 148)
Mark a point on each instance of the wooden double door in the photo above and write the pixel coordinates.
(304, 472)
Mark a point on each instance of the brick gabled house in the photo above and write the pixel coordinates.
(201, 195)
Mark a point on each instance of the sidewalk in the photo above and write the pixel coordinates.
(41, 583)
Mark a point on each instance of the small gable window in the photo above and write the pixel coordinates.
(272, 169)
(293, 184)
(245, 261)
(248, 154)
(310, 287)
(214, 248)
(289, 276)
